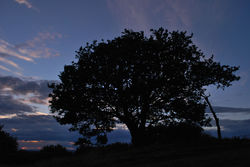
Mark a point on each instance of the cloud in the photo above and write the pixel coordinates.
(130, 13)
(9, 62)
(17, 86)
(37, 47)
(172, 14)
(229, 110)
(19, 115)
(233, 122)
(19, 96)
(24, 2)
(8, 105)
(28, 51)
(27, 4)
(9, 50)
(5, 68)
(36, 131)
(231, 128)
(146, 14)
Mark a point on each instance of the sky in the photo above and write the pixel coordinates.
(38, 37)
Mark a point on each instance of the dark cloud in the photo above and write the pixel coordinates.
(231, 128)
(228, 110)
(45, 127)
(24, 87)
(119, 135)
(45, 130)
(236, 128)
(38, 127)
(35, 131)
(9, 105)
(19, 95)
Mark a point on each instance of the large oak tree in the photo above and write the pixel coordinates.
(139, 81)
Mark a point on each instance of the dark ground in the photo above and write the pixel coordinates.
(224, 154)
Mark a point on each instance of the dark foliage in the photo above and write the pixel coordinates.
(139, 81)
(176, 134)
(8, 144)
(54, 149)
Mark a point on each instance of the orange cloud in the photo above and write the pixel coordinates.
(9, 116)
(31, 148)
(14, 129)
(30, 141)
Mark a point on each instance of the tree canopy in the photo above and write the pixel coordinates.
(139, 81)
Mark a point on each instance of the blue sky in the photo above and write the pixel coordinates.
(38, 37)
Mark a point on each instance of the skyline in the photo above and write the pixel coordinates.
(39, 37)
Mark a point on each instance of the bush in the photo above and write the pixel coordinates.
(56, 149)
(8, 144)
(178, 133)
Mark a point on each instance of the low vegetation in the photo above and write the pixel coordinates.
(212, 152)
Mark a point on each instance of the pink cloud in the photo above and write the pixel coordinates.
(37, 47)
(28, 51)
(5, 68)
(24, 2)
(9, 62)
(27, 4)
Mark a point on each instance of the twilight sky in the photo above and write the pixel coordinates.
(38, 37)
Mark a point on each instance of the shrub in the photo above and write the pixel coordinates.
(176, 133)
(8, 143)
(57, 149)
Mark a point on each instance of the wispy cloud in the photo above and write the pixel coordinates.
(130, 13)
(28, 50)
(7, 49)
(5, 68)
(37, 47)
(27, 3)
(172, 14)
(24, 2)
(9, 62)
(146, 14)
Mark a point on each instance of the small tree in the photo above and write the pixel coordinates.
(139, 81)
(8, 143)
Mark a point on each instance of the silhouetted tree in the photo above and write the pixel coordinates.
(136, 80)
(56, 149)
(8, 143)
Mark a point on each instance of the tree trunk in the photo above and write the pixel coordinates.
(215, 117)
(137, 136)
